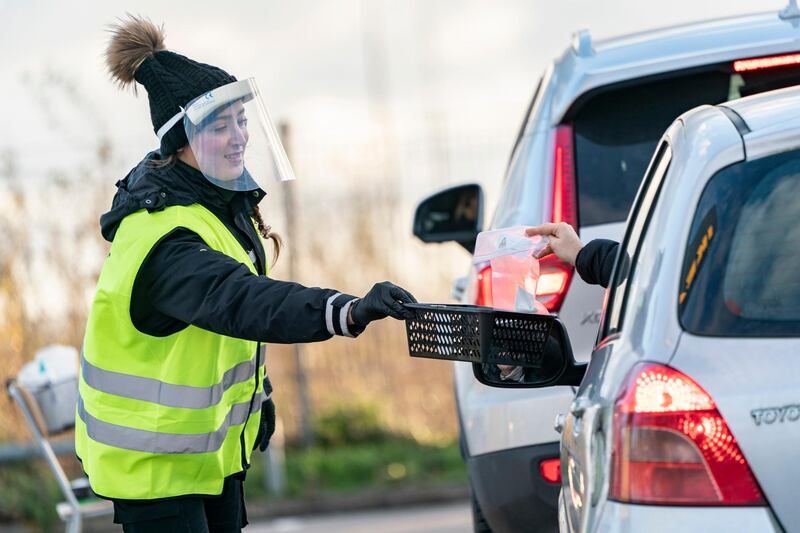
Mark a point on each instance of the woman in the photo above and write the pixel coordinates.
(173, 391)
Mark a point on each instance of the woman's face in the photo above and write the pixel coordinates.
(220, 143)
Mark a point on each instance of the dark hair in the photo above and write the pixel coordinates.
(162, 163)
(265, 230)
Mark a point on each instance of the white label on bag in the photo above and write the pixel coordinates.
(510, 245)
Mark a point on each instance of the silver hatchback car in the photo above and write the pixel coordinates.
(688, 415)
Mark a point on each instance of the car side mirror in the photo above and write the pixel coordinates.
(558, 366)
(454, 214)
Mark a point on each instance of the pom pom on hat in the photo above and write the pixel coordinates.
(136, 53)
(132, 42)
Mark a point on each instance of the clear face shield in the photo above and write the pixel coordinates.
(233, 139)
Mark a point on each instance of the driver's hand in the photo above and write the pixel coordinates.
(564, 242)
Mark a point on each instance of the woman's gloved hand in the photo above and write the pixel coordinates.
(384, 299)
(267, 426)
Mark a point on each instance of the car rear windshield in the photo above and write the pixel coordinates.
(740, 275)
(616, 130)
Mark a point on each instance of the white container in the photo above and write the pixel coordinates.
(52, 379)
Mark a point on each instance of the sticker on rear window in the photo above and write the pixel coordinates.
(693, 263)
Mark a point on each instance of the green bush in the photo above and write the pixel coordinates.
(348, 469)
(347, 425)
(29, 493)
(354, 451)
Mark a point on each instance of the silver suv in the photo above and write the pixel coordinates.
(585, 143)
(688, 415)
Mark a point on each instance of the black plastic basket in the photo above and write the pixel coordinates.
(475, 334)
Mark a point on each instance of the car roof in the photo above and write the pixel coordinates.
(587, 65)
(769, 110)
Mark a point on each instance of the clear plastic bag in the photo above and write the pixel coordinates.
(515, 272)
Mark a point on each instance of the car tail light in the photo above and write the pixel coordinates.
(672, 446)
(484, 293)
(761, 63)
(556, 275)
(565, 203)
(554, 278)
(550, 470)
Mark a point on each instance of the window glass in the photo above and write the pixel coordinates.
(617, 130)
(740, 274)
(637, 227)
(524, 124)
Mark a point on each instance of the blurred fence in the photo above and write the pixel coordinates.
(355, 204)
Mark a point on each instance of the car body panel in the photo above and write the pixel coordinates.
(492, 422)
(767, 134)
(760, 400)
(621, 518)
(760, 374)
(510, 490)
(701, 142)
(583, 304)
(680, 47)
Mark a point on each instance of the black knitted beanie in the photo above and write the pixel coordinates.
(136, 53)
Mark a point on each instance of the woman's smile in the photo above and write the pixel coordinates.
(235, 158)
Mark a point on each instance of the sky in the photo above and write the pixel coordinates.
(327, 66)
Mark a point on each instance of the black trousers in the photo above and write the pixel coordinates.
(194, 514)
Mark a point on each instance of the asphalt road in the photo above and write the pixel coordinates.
(445, 518)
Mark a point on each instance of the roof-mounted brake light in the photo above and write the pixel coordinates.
(760, 63)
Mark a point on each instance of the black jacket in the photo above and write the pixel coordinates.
(183, 281)
(595, 261)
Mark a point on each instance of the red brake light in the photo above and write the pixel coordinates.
(484, 293)
(554, 278)
(556, 275)
(565, 204)
(760, 63)
(672, 446)
(550, 470)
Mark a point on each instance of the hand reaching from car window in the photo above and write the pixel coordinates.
(563, 241)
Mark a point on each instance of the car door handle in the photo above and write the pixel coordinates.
(558, 423)
(579, 406)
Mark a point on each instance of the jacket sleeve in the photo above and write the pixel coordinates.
(595, 261)
(184, 280)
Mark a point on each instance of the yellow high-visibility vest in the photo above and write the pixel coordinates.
(160, 417)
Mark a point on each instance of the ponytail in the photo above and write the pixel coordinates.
(267, 233)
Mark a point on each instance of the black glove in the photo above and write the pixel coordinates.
(384, 299)
(267, 426)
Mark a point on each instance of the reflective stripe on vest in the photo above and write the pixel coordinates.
(167, 394)
(158, 442)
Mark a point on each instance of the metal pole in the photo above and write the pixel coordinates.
(301, 377)
(19, 395)
(275, 463)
